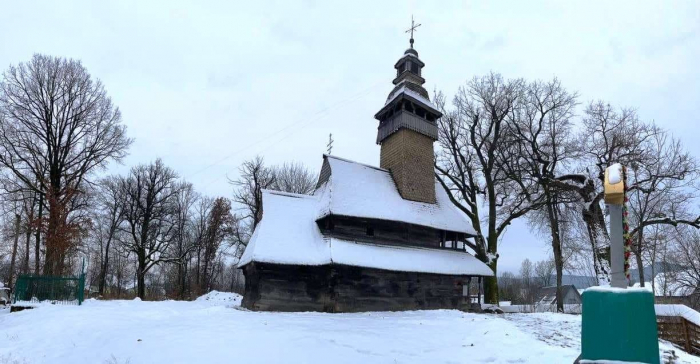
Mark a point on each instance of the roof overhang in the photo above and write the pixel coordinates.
(404, 95)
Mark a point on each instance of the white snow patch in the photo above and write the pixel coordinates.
(615, 289)
(491, 257)
(216, 297)
(206, 331)
(615, 173)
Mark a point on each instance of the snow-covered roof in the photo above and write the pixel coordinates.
(288, 234)
(359, 190)
(413, 94)
(406, 259)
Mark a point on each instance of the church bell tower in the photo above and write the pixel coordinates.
(407, 130)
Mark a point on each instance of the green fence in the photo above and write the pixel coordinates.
(59, 290)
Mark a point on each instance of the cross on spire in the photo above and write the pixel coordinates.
(413, 28)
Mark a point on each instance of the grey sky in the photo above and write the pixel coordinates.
(207, 84)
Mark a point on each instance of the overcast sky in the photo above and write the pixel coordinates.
(205, 85)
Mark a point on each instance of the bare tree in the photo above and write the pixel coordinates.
(109, 216)
(202, 211)
(57, 125)
(185, 242)
(527, 277)
(660, 192)
(149, 194)
(686, 252)
(294, 178)
(509, 287)
(544, 270)
(254, 177)
(472, 141)
(541, 131)
(607, 136)
(220, 225)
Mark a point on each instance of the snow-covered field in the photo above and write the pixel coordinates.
(213, 330)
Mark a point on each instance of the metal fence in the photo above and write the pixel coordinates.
(55, 289)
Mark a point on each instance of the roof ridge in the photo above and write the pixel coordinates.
(354, 162)
(287, 194)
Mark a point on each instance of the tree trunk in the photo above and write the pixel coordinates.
(140, 277)
(205, 272)
(119, 276)
(14, 250)
(37, 243)
(53, 240)
(491, 283)
(183, 279)
(105, 265)
(197, 276)
(28, 239)
(638, 255)
(556, 244)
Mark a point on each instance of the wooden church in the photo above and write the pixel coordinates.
(370, 238)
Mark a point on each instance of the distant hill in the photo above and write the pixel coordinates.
(658, 268)
(582, 282)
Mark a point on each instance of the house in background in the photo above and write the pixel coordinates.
(674, 287)
(369, 238)
(548, 295)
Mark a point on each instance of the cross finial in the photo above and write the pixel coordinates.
(413, 28)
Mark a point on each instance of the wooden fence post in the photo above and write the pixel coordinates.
(688, 343)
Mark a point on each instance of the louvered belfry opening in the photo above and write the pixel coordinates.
(407, 130)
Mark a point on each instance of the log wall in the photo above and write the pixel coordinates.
(385, 232)
(337, 288)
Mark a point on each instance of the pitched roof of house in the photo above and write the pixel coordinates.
(349, 188)
(288, 234)
(548, 295)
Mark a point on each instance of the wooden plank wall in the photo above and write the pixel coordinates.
(681, 332)
(271, 287)
(385, 232)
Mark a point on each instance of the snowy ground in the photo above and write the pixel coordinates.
(213, 330)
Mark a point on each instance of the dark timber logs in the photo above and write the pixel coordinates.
(338, 288)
